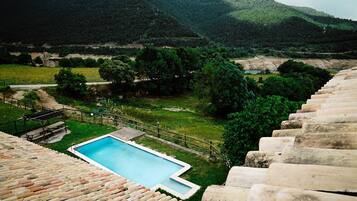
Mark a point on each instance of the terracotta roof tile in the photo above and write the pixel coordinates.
(31, 172)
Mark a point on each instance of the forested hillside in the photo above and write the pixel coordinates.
(87, 21)
(250, 23)
(262, 23)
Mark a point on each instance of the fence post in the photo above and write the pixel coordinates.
(101, 119)
(158, 129)
(210, 149)
(186, 140)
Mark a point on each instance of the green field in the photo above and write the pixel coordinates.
(21, 74)
(179, 114)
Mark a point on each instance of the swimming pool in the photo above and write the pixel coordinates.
(137, 163)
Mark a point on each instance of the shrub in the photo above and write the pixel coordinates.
(30, 98)
(258, 119)
(71, 84)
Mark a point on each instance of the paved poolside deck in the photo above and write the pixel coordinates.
(127, 133)
(31, 172)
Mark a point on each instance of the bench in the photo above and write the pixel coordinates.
(47, 131)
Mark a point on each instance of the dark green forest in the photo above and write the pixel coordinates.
(87, 22)
(232, 23)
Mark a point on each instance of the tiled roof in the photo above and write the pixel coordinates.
(31, 172)
(312, 158)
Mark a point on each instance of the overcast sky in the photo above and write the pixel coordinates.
(339, 8)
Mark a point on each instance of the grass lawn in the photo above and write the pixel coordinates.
(202, 173)
(22, 74)
(10, 113)
(263, 76)
(80, 132)
(179, 114)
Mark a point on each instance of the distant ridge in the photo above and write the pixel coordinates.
(251, 23)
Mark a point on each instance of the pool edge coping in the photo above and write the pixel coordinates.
(175, 176)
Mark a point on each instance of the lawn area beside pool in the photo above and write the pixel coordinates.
(23, 74)
(202, 172)
(80, 132)
(179, 114)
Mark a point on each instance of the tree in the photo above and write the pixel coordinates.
(161, 66)
(295, 88)
(319, 76)
(5, 57)
(258, 119)
(253, 86)
(89, 62)
(38, 61)
(222, 87)
(65, 62)
(119, 73)
(71, 84)
(24, 58)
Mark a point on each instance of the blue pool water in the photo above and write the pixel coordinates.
(133, 163)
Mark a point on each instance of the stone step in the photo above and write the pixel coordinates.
(287, 132)
(245, 177)
(225, 193)
(275, 144)
(261, 192)
(310, 107)
(313, 177)
(320, 96)
(327, 140)
(329, 127)
(314, 156)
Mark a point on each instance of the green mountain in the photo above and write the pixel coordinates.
(260, 23)
(252, 23)
(88, 22)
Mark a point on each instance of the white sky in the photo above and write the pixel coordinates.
(340, 8)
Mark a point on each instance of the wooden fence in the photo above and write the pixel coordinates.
(204, 147)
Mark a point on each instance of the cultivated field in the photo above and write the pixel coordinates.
(21, 74)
